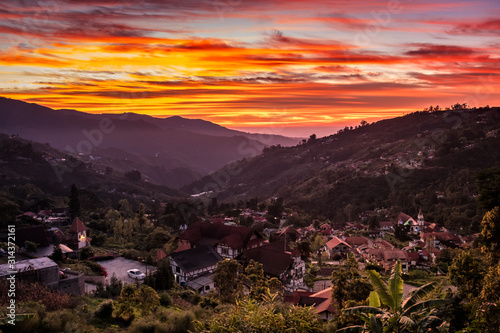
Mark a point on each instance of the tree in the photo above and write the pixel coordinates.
(317, 244)
(147, 299)
(487, 305)
(57, 255)
(260, 285)
(227, 279)
(31, 247)
(74, 202)
(466, 274)
(157, 239)
(348, 285)
(373, 222)
(251, 316)
(490, 232)
(133, 175)
(488, 182)
(86, 253)
(143, 299)
(388, 312)
(141, 218)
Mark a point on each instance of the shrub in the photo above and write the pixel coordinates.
(115, 286)
(86, 253)
(165, 299)
(96, 268)
(105, 309)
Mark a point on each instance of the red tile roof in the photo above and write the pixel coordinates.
(335, 241)
(201, 233)
(77, 226)
(356, 240)
(274, 262)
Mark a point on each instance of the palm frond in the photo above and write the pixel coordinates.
(373, 299)
(375, 325)
(406, 321)
(425, 305)
(396, 286)
(380, 287)
(352, 329)
(417, 294)
(363, 309)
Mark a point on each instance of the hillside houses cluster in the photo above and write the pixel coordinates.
(203, 244)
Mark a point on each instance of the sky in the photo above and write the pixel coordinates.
(276, 66)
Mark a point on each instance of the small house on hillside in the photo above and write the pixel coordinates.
(356, 241)
(336, 245)
(388, 258)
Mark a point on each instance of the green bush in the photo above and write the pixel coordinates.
(131, 254)
(105, 309)
(165, 299)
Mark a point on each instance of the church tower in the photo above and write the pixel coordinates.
(420, 221)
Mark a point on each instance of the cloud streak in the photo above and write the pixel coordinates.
(237, 62)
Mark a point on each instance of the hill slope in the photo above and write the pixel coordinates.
(38, 174)
(425, 159)
(172, 151)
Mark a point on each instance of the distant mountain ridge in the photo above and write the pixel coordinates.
(168, 151)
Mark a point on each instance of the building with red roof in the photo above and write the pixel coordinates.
(229, 241)
(77, 235)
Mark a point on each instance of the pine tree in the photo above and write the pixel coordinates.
(74, 202)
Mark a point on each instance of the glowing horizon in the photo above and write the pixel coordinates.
(263, 65)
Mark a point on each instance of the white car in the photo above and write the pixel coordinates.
(136, 274)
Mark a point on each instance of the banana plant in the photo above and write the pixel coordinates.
(388, 312)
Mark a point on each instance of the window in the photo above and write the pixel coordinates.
(177, 269)
(207, 287)
(225, 251)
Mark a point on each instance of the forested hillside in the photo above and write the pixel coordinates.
(423, 159)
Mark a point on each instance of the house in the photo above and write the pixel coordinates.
(77, 235)
(190, 264)
(325, 229)
(278, 261)
(289, 232)
(59, 212)
(356, 241)
(322, 303)
(160, 254)
(446, 239)
(46, 271)
(386, 226)
(203, 283)
(415, 226)
(382, 244)
(229, 241)
(336, 245)
(388, 258)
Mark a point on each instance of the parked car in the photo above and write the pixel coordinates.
(136, 274)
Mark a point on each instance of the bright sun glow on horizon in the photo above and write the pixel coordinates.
(283, 67)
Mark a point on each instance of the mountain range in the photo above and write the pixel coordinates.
(171, 151)
(427, 160)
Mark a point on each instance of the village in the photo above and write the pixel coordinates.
(303, 259)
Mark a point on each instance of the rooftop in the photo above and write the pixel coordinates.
(39, 263)
(196, 258)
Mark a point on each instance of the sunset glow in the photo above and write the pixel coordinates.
(288, 67)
